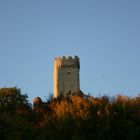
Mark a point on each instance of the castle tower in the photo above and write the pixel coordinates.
(66, 75)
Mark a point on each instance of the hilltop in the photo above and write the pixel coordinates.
(76, 117)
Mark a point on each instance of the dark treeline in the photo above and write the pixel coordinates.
(78, 117)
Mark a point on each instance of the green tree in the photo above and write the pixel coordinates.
(12, 101)
(15, 115)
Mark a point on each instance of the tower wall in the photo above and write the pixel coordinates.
(66, 75)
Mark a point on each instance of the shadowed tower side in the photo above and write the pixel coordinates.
(66, 75)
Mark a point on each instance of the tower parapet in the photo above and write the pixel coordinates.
(67, 62)
(66, 75)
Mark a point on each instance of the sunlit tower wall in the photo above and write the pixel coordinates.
(66, 75)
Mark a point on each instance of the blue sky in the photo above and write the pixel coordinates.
(105, 34)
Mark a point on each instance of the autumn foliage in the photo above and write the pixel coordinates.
(77, 117)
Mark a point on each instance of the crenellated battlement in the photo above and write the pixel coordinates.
(67, 58)
(67, 62)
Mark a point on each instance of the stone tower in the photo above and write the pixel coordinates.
(66, 75)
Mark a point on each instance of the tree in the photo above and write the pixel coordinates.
(15, 115)
(12, 101)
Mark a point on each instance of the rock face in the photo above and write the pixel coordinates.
(37, 104)
(66, 75)
(37, 100)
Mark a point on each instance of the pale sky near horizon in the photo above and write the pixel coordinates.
(105, 34)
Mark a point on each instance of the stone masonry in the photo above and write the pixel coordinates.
(66, 75)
